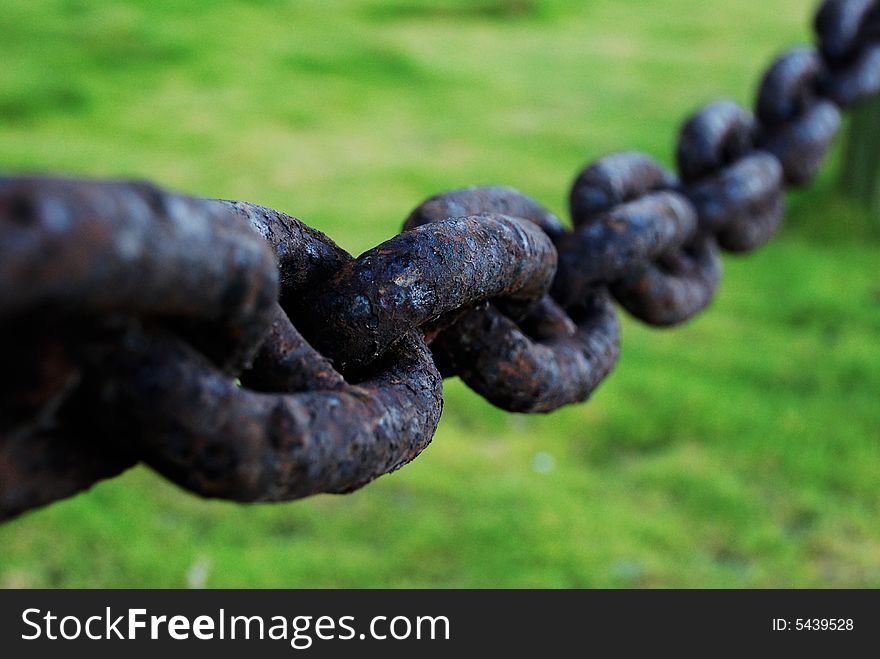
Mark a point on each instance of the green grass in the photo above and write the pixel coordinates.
(742, 449)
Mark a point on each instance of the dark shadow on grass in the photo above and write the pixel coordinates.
(25, 105)
(495, 10)
(371, 64)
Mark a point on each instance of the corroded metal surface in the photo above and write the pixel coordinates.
(88, 247)
(244, 355)
(532, 362)
(195, 426)
(423, 274)
(635, 231)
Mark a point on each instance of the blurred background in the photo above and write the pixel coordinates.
(740, 450)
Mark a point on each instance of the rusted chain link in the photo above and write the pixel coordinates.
(128, 312)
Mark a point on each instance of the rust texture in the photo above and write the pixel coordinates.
(51, 464)
(421, 275)
(195, 426)
(523, 373)
(88, 247)
(243, 354)
(637, 232)
(484, 199)
(536, 362)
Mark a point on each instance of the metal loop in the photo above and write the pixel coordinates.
(796, 124)
(743, 204)
(801, 146)
(484, 199)
(849, 40)
(676, 287)
(627, 237)
(736, 191)
(305, 256)
(49, 447)
(789, 88)
(88, 247)
(545, 360)
(614, 180)
(54, 463)
(636, 227)
(45, 374)
(196, 427)
(422, 274)
(717, 135)
(851, 84)
(843, 27)
(519, 373)
(287, 363)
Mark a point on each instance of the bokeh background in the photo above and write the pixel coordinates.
(739, 450)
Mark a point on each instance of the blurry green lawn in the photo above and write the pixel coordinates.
(740, 450)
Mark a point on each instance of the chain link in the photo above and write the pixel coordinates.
(127, 312)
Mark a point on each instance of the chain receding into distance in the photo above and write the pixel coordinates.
(244, 355)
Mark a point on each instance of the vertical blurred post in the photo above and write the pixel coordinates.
(860, 179)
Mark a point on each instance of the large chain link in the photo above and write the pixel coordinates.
(244, 355)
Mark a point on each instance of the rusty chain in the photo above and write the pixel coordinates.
(127, 312)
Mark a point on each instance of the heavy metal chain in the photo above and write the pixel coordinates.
(244, 355)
